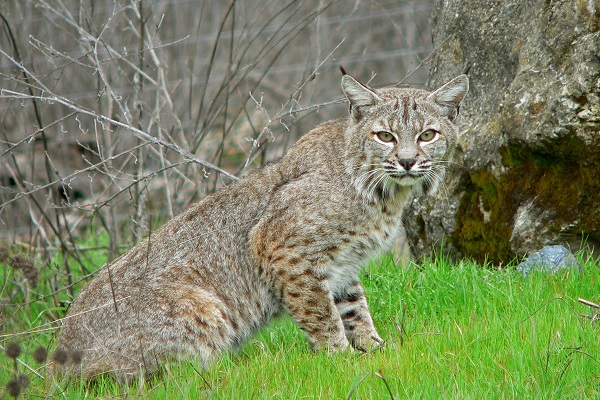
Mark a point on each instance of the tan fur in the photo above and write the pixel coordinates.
(288, 238)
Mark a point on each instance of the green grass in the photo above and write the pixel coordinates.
(452, 330)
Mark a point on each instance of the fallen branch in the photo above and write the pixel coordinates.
(594, 316)
(588, 303)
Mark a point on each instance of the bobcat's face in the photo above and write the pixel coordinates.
(407, 136)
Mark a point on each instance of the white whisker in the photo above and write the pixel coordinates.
(375, 184)
(361, 181)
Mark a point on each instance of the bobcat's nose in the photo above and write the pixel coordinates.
(407, 163)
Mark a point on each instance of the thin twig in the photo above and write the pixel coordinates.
(588, 303)
(354, 387)
(379, 374)
(6, 93)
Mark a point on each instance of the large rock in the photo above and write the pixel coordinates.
(531, 130)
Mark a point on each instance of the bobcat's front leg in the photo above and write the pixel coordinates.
(358, 323)
(309, 301)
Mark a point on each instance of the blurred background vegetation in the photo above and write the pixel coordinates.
(117, 113)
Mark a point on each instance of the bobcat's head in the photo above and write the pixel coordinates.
(401, 137)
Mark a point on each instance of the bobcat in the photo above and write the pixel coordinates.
(288, 238)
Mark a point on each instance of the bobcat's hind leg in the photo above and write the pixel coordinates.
(358, 323)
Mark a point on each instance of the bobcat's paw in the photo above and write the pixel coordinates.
(367, 343)
(337, 346)
(331, 345)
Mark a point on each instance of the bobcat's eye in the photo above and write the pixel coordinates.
(385, 137)
(428, 135)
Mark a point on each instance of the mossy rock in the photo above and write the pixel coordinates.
(529, 172)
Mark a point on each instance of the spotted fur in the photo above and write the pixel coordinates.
(289, 238)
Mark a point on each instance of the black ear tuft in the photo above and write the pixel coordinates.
(360, 96)
(343, 70)
(467, 69)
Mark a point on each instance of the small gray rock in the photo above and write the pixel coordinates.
(549, 259)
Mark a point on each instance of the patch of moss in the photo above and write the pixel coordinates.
(483, 223)
(562, 177)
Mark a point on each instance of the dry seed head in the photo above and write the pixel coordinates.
(76, 357)
(60, 356)
(12, 350)
(3, 254)
(40, 354)
(26, 265)
(20, 262)
(13, 388)
(23, 381)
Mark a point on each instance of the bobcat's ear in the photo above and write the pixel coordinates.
(359, 96)
(451, 95)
